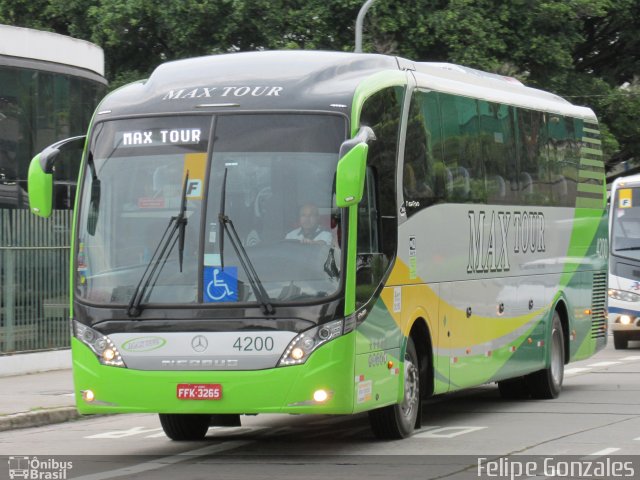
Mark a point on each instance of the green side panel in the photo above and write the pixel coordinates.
(594, 141)
(471, 370)
(40, 189)
(440, 380)
(378, 342)
(591, 174)
(589, 188)
(589, 203)
(276, 390)
(350, 274)
(592, 151)
(588, 162)
(583, 281)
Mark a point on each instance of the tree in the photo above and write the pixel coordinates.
(585, 50)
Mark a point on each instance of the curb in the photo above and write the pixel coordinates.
(38, 418)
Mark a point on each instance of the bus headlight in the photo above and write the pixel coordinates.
(304, 344)
(99, 344)
(625, 319)
(624, 296)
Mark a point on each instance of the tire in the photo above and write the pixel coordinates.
(547, 383)
(620, 341)
(399, 420)
(185, 426)
(514, 389)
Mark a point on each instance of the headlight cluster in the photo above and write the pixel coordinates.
(624, 296)
(305, 343)
(101, 345)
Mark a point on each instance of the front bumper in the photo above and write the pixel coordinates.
(275, 390)
(616, 316)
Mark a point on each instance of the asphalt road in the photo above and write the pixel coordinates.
(597, 416)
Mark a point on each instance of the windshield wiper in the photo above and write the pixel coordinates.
(227, 225)
(161, 254)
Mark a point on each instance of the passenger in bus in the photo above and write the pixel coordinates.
(310, 231)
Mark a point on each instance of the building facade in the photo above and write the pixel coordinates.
(49, 87)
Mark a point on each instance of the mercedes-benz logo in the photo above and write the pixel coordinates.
(199, 343)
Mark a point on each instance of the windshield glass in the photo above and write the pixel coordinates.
(279, 194)
(626, 223)
(278, 197)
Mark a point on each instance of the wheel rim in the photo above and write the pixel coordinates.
(557, 360)
(409, 406)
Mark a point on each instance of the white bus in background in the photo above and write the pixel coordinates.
(624, 262)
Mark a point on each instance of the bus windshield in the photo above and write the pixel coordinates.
(625, 231)
(277, 199)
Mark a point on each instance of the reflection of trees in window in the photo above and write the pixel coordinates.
(533, 178)
(564, 158)
(462, 149)
(418, 171)
(426, 179)
(39, 108)
(498, 150)
(486, 152)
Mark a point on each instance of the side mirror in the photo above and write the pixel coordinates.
(41, 177)
(352, 167)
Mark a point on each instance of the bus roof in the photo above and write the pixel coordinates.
(305, 80)
(465, 81)
(629, 180)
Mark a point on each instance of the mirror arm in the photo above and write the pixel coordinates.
(48, 155)
(364, 135)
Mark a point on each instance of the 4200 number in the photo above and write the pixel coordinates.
(253, 344)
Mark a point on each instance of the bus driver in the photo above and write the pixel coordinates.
(310, 231)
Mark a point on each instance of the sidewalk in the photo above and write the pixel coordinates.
(34, 399)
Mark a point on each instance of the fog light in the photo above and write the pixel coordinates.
(88, 396)
(625, 319)
(297, 353)
(320, 395)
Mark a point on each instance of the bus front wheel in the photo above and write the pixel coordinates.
(398, 421)
(185, 426)
(620, 341)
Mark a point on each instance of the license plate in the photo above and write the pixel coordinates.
(199, 391)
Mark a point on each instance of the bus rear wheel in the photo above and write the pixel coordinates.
(398, 421)
(185, 426)
(547, 383)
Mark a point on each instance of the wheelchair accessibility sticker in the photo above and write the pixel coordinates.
(220, 285)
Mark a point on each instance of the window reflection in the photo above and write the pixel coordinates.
(38, 108)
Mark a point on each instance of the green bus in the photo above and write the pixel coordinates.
(329, 233)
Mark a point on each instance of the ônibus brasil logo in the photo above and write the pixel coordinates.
(38, 469)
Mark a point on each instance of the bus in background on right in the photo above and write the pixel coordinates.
(624, 262)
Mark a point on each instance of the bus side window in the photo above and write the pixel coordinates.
(534, 188)
(370, 260)
(422, 179)
(462, 149)
(377, 211)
